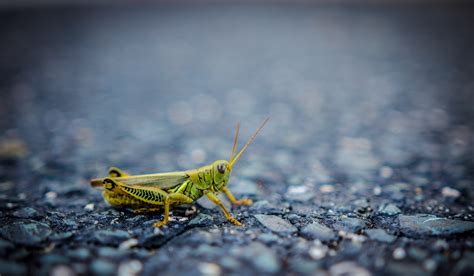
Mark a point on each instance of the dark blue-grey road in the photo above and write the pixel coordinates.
(365, 167)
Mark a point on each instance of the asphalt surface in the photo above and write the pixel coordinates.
(365, 167)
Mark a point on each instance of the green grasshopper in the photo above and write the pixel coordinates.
(150, 192)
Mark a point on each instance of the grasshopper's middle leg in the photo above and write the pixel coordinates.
(235, 201)
(172, 198)
(218, 202)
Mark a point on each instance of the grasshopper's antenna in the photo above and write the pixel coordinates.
(235, 142)
(248, 143)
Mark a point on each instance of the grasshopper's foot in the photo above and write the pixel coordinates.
(159, 224)
(243, 202)
(234, 221)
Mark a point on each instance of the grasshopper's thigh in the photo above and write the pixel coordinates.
(235, 201)
(212, 197)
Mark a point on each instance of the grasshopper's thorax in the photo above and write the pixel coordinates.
(212, 177)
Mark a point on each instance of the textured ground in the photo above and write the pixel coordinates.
(365, 167)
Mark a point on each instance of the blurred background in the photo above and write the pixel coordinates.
(361, 96)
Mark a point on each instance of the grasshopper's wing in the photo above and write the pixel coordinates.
(159, 180)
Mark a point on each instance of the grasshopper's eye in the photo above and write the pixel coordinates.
(221, 168)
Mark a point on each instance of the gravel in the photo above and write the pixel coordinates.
(365, 167)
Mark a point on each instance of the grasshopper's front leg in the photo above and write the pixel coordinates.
(212, 197)
(235, 201)
(175, 198)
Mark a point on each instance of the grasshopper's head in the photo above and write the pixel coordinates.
(221, 172)
(222, 168)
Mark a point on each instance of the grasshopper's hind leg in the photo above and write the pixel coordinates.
(176, 199)
(235, 201)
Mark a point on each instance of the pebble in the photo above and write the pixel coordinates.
(62, 270)
(89, 207)
(209, 269)
(128, 244)
(389, 210)
(129, 268)
(102, 267)
(201, 220)
(80, 253)
(111, 237)
(450, 192)
(26, 213)
(380, 235)
(268, 238)
(318, 250)
(111, 252)
(260, 256)
(325, 189)
(426, 224)
(318, 231)
(26, 233)
(276, 224)
(348, 268)
(349, 224)
(399, 253)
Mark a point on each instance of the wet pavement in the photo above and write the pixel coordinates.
(365, 167)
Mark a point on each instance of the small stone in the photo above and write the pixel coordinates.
(261, 257)
(276, 224)
(268, 238)
(128, 244)
(62, 270)
(201, 220)
(417, 253)
(111, 252)
(102, 267)
(361, 203)
(61, 236)
(386, 172)
(209, 269)
(325, 189)
(27, 213)
(129, 268)
(380, 235)
(425, 224)
(51, 195)
(318, 231)
(450, 192)
(89, 207)
(430, 265)
(389, 210)
(399, 253)
(318, 250)
(349, 224)
(26, 233)
(348, 268)
(111, 237)
(80, 253)
(377, 190)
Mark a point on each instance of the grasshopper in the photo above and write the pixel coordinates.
(151, 192)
